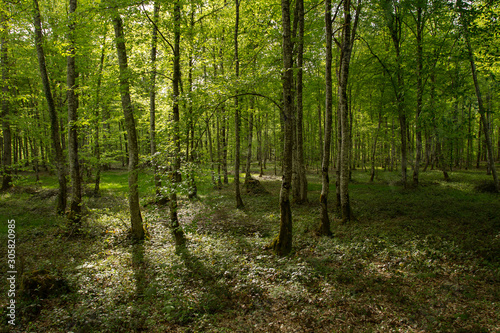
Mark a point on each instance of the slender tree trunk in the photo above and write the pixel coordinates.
(54, 124)
(152, 98)
(395, 25)
(177, 231)
(260, 151)
(128, 112)
(211, 153)
(482, 112)
(323, 199)
(418, 130)
(282, 244)
(248, 174)
(7, 135)
(74, 166)
(348, 34)
(193, 190)
(97, 106)
(239, 202)
(219, 156)
(374, 149)
(300, 112)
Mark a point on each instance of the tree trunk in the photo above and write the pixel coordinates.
(7, 135)
(177, 231)
(192, 189)
(74, 166)
(323, 199)
(374, 149)
(211, 153)
(259, 146)
(418, 130)
(282, 244)
(482, 113)
(239, 202)
(348, 34)
(54, 124)
(152, 99)
(248, 174)
(97, 106)
(128, 112)
(302, 191)
(395, 25)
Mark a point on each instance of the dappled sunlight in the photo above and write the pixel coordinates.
(393, 268)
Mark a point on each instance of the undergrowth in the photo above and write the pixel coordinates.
(419, 260)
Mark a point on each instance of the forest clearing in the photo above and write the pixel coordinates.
(417, 260)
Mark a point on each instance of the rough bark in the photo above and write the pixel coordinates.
(325, 220)
(282, 244)
(128, 112)
(54, 123)
(74, 165)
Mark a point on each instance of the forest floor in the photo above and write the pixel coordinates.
(417, 260)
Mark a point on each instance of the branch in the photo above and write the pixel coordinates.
(156, 27)
(382, 64)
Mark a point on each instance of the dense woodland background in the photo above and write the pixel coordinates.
(366, 133)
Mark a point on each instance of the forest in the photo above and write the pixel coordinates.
(250, 166)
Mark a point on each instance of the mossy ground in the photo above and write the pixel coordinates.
(420, 260)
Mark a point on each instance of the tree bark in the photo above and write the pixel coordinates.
(128, 112)
(177, 231)
(239, 202)
(395, 25)
(374, 149)
(323, 199)
(301, 170)
(418, 130)
(348, 34)
(248, 174)
(97, 107)
(54, 123)
(152, 98)
(74, 166)
(282, 244)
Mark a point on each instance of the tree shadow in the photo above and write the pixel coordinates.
(215, 294)
(139, 266)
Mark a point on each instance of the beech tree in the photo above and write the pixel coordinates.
(128, 113)
(348, 36)
(282, 245)
(325, 180)
(74, 166)
(54, 121)
(176, 165)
